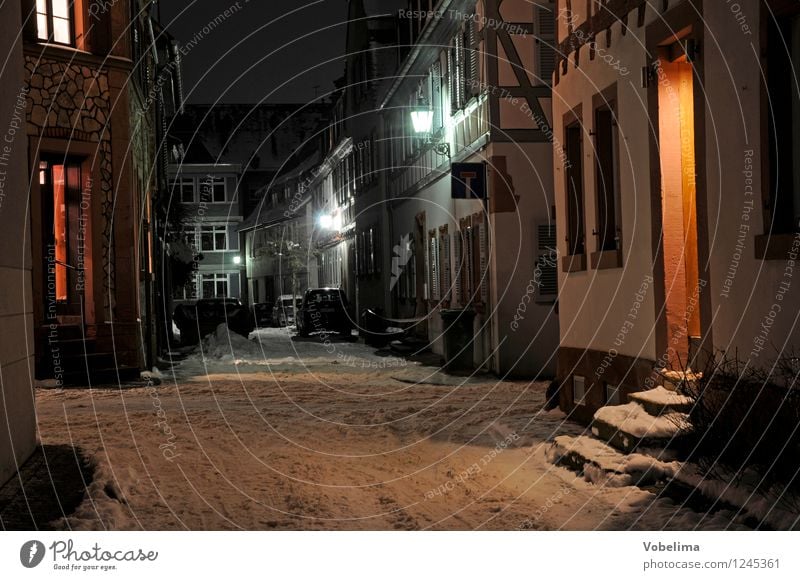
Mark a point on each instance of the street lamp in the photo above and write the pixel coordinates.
(237, 260)
(331, 221)
(422, 121)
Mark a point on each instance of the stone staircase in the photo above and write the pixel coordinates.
(644, 443)
(631, 444)
(80, 361)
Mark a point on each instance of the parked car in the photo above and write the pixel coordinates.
(195, 321)
(324, 309)
(284, 309)
(262, 314)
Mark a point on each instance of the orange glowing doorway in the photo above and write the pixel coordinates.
(64, 236)
(679, 210)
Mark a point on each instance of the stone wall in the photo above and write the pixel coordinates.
(73, 102)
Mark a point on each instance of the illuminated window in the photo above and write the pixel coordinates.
(54, 21)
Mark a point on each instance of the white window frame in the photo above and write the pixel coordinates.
(211, 182)
(215, 229)
(178, 182)
(579, 388)
(217, 277)
(46, 15)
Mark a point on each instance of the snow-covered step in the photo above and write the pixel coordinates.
(629, 426)
(602, 464)
(660, 401)
(671, 380)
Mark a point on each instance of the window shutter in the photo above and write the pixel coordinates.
(546, 263)
(433, 271)
(452, 75)
(484, 262)
(469, 260)
(426, 256)
(545, 38)
(436, 95)
(471, 58)
(458, 295)
(444, 261)
(376, 251)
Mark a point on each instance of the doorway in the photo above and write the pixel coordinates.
(679, 207)
(64, 234)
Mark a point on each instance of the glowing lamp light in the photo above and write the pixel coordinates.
(422, 119)
(337, 222)
(237, 260)
(326, 221)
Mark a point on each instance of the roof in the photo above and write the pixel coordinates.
(260, 218)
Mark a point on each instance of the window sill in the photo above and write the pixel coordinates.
(574, 263)
(606, 259)
(775, 246)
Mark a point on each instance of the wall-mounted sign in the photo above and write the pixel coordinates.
(468, 180)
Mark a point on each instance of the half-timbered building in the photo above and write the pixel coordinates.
(470, 197)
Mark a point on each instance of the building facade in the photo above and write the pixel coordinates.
(679, 232)
(481, 236)
(206, 212)
(17, 414)
(89, 121)
(262, 139)
(277, 238)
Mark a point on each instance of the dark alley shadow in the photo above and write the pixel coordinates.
(49, 486)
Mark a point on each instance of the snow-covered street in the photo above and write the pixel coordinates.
(275, 433)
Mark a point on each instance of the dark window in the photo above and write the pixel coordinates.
(215, 285)
(574, 187)
(783, 116)
(218, 189)
(605, 143)
(213, 238)
(187, 190)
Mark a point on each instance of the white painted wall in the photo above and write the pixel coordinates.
(529, 347)
(594, 304)
(733, 127)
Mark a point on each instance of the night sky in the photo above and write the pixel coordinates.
(259, 46)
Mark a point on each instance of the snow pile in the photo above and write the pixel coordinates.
(155, 376)
(663, 397)
(105, 501)
(634, 420)
(673, 379)
(781, 513)
(605, 465)
(224, 345)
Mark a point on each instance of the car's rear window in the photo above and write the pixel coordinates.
(318, 297)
